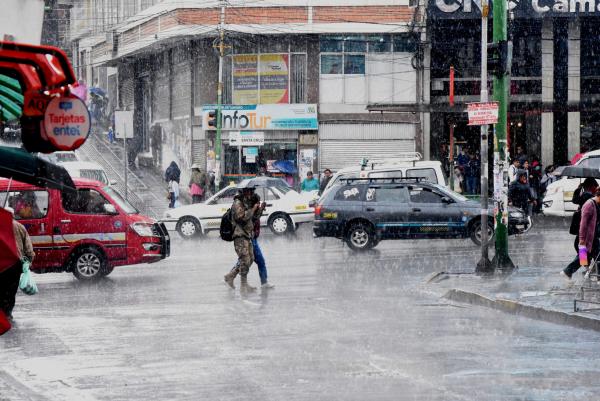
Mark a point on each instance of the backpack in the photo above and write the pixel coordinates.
(226, 229)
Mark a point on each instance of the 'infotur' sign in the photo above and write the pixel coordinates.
(264, 117)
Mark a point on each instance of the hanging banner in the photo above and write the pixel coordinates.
(245, 79)
(274, 78)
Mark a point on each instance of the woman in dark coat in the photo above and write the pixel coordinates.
(173, 173)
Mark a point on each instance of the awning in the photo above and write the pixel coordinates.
(11, 98)
(20, 165)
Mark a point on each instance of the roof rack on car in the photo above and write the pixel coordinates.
(402, 157)
(379, 179)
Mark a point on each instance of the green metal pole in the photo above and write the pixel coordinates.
(501, 85)
(219, 173)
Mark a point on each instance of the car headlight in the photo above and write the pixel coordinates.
(516, 215)
(143, 229)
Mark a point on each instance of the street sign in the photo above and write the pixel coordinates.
(123, 124)
(67, 122)
(246, 138)
(482, 113)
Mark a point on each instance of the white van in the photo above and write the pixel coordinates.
(406, 165)
(89, 170)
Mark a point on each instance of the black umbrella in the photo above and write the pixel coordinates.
(20, 165)
(580, 172)
(262, 182)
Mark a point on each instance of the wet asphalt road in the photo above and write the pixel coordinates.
(338, 326)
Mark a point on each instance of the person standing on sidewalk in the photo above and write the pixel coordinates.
(197, 184)
(327, 174)
(310, 183)
(243, 212)
(581, 196)
(9, 279)
(588, 236)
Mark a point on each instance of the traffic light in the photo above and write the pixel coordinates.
(212, 118)
(499, 58)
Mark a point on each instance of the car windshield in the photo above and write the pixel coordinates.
(119, 200)
(282, 188)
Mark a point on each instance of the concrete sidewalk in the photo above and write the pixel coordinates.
(534, 292)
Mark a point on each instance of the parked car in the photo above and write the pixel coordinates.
(363, 212)
(89, 170)
(407, 165)
(559, 194)
(88, 232)
(286, 209)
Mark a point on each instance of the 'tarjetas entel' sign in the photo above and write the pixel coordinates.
(67, 122)
(519, 8)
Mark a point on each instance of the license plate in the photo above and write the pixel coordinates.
(520, 226)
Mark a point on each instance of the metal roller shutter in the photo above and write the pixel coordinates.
(344, 145)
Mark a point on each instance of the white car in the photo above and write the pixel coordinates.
(559, 194)
(89, 170)
(286, 209)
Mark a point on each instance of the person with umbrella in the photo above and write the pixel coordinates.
(9, 278)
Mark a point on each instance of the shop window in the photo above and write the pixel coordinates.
(331, 44)
(405, 43)
(274, 44)
(27, 204)
(245, 45)
(331, 64)
(355, 44)
(380, 43)
(354, 64)
(84, 201)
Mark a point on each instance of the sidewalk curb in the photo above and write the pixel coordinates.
(521, 309)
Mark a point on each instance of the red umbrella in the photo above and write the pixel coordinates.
(9, 254)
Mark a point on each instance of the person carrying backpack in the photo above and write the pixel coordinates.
(582, 194)
(243, 213)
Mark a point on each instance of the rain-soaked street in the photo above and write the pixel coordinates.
(338, 326)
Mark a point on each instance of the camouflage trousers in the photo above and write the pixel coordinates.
(245, 251)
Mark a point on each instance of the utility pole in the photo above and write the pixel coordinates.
(501, 84)
(451, 150)
(221, 48)
(484, 264)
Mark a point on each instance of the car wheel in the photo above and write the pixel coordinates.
(281, 224)
(476, 233)
(360, 237)
(89, 264)
(188, 227)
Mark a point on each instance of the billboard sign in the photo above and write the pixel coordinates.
(264, 117)
(464, 9)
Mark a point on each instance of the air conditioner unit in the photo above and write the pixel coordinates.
(413, 3)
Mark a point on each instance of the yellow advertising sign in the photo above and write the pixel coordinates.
(245, 79)
(274, 78)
